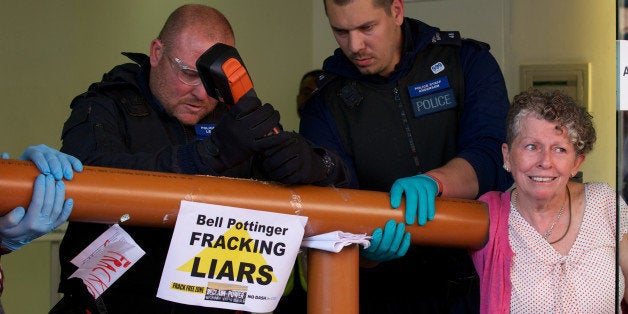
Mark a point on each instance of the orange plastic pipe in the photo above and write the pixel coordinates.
(337, 293)
(105, 195)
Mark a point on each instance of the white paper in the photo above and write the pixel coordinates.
(106, 259)
(229, 257)
(335, 241)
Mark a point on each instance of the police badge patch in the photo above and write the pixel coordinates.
(431, 96)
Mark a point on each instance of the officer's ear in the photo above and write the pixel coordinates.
(396, 10)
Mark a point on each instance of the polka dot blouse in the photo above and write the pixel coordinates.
(545, 281)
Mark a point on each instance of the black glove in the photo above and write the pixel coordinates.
(236, 137)
(290, 158)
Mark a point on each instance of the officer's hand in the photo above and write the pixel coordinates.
(289, 158)
(390, 244)
(235, 138)
(52, 161)
(420, 191)
(47, 211)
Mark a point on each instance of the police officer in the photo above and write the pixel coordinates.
(418, 112)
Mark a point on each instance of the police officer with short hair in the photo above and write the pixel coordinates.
(418, 112)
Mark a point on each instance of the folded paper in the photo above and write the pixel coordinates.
(336, 240)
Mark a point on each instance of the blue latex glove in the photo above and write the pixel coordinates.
(390, 244)
(52, 161)
(420, 194)
(46, 212)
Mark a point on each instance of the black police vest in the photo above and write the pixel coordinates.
(398, 130)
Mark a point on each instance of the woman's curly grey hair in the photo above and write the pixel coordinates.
(553, 106)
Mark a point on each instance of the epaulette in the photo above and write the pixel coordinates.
(447, 38)
(453, 38)
(324, 79)
(320, 82)
(479, 44)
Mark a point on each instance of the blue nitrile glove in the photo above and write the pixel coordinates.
(46, 212)
(52, 161)
(420, 191)
(390, 244)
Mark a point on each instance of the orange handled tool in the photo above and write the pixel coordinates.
(224, 75)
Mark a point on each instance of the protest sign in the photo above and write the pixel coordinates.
(229, 257)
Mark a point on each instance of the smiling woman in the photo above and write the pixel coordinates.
(548, 222)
